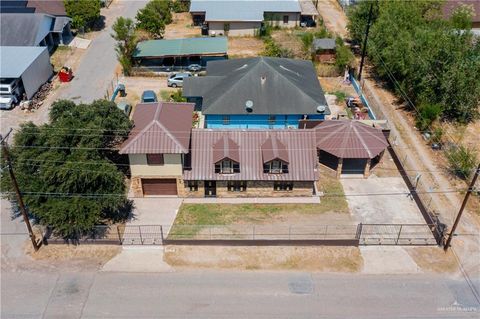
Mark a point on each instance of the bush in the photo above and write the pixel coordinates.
(427, 114)
(344, 56)
(83, 12)
(462, 160)
(273, 50)
(180, 5)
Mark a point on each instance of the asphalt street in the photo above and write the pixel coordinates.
(232, 294)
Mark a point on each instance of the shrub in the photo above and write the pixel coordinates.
(462, 160)
(273, 50)
(344, 56)
(427, 114)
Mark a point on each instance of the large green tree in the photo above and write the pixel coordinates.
(124, 33)
(154, 17)
(83, 12)
(67, 170)
(425, 58)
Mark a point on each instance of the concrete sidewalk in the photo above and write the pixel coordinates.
(138, 259)
(254, 200)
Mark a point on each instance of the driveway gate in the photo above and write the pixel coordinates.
(141, 234)
(397, 234)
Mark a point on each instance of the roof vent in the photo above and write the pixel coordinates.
(249, 106)
(321, 109)
(263, 79)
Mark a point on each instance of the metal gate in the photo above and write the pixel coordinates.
(397, 234)
(141, 235)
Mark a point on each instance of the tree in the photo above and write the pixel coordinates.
(67, 169)
(154, 17)
(358, 18)
(124, 33)
(83, 12)
(344, 56)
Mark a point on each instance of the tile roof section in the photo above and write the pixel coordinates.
(300, 146)
(273, 148)
(160, 128)
(225, 147)
(274, 85)
(350, 139)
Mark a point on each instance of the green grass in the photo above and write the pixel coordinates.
(340, 95)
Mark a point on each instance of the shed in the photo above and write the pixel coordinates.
(324, 49)
(349, 146)
(29, 64)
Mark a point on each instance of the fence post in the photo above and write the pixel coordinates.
(140, 233)
(359, 231)
(398, 237)
(161, 232)
(119, 236)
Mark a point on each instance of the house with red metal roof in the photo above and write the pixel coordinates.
(168, 157)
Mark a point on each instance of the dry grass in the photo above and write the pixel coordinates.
(433, 259)
(60, 57)
(287, 39)
(324, 259)
(243, 47)
(99, 254)
(181, 27)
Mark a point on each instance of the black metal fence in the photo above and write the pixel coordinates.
(256, 235)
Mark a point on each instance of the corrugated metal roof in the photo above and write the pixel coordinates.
(15, 60)
(300, 145)
(350, 139)
(22, 29)
(274, 149)
(324, 43)
(274, 85)
(308, 8)
(241, 10)
(225, 147)
(182, 47)
(160, 128)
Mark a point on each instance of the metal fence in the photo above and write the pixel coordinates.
(340, 235)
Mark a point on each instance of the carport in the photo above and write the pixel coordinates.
(349, 147)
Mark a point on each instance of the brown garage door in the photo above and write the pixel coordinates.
(159, 186)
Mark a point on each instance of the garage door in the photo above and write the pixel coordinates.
(159, 186)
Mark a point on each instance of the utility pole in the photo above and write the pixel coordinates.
(465, 200)
(17, 191)
(364, 48)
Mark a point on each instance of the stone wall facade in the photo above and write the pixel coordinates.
(254, 189)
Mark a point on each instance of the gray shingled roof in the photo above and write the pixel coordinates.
(20, 29)
(241, 10)
(274, 85)
(324, 44)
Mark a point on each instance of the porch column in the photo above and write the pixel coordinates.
(339, 167)
(366, 173)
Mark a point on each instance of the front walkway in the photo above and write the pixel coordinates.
(254, 200)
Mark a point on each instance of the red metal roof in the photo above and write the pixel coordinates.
(299, 145)
(350, 139)
(274, 149)
(160, 128)
(225, 147)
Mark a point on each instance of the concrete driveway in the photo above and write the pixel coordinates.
(155, 211)
(381, 208)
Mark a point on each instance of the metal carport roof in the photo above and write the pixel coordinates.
(181, 47)
(15, 60)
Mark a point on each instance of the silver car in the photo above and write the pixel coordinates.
(176, 79)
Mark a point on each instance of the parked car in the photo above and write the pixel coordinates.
(10, 91)
(176, 79)
(149, 97)
(194, 67)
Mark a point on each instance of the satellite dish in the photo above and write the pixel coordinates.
(249, 106)
(321, 109)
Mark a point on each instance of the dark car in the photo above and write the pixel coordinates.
(149, 97)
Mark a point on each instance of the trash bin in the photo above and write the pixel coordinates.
(121, 90)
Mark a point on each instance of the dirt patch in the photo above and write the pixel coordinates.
(97, 254)
(433, 259)
(181, 27)
(244, 47)
(324, 259)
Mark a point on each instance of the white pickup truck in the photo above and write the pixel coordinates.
(10, 92)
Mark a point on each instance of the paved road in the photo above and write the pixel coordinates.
(97, 68)
(226, 294)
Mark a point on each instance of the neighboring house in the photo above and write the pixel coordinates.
(34, 23)
(451, 5)
(257, 93)
(23, 70)
(168, 157)
(177, 53)
(324, 49)
(244, 17)
(157, 146)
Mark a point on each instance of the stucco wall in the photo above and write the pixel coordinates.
(293, 19)
(172, 166)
